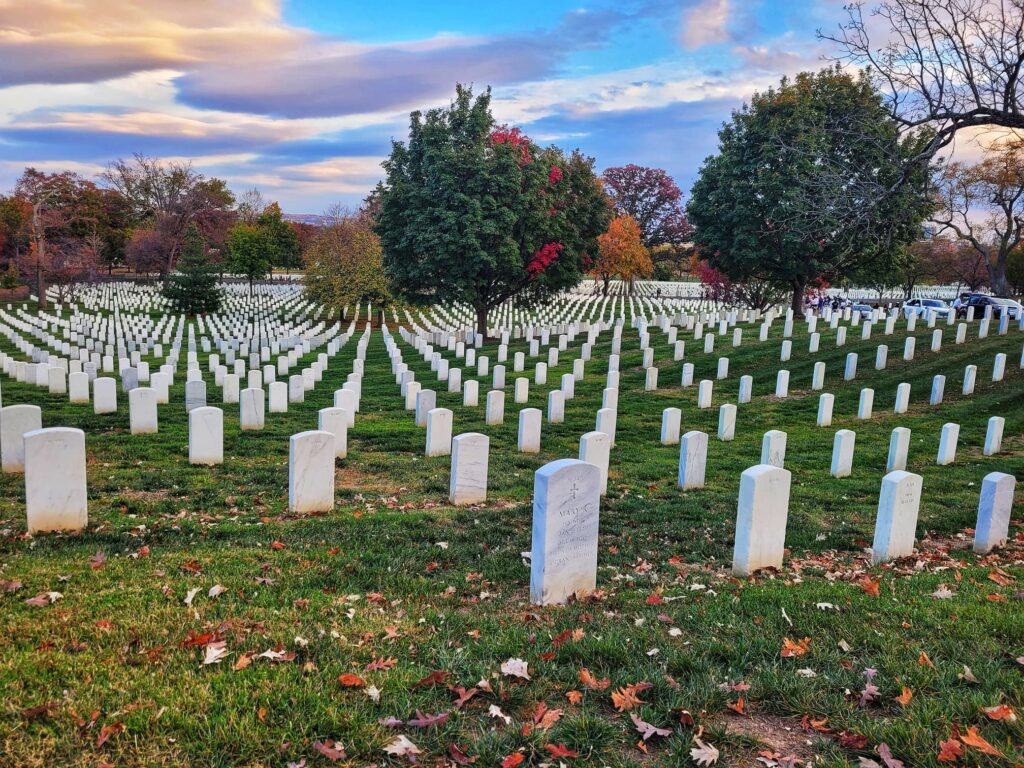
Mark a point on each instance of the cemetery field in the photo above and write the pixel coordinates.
(196, 621)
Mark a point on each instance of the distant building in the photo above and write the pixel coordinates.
(313, 219)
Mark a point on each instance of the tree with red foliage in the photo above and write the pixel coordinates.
(147, 251)
(478, 213)
(719, 288)
(654, 201)
(56, 202)
(14, 213)
(168, 197)
(960, 262)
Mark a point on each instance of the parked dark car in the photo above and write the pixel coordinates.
(980, 302)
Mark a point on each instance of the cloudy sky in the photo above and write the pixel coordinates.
(302, 98)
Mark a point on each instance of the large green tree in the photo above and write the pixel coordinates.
(788, 197)
(287, 250)
(344, 266)
(478, 213)
(193, 288)
(251, 252)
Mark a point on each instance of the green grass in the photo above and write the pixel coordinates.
(452, 585)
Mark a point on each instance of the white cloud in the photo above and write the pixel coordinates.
(706, 24)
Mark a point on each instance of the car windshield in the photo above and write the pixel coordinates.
(933, 303)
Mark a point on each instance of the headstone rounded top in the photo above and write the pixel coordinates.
(310, 434)
(760, 470)
(69, 432)
(554, 467)
(899, 475)
(996, 477)
(21, 408)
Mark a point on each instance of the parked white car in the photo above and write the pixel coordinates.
(865, 311)
(1013, 308)
(921, 308)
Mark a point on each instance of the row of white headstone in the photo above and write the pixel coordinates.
(566, 504)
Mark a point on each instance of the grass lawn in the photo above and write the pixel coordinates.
(394, 607)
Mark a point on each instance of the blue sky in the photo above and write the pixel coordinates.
(302, 99)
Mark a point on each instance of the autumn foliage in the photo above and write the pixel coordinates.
(621, 253)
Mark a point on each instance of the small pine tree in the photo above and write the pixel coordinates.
(10, 276)
(193, 288)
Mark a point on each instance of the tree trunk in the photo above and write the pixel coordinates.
(607, 283)
(997, 278)
(344, 312)
(481, 320)
(41, 273)
(797, 304)
(908, 291)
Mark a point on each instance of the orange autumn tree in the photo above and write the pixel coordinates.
(621, 253)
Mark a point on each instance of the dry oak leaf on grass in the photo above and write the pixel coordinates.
(739, 707)
(628, 696)
(495, 711)
(976, 741)
(704, 754)
(1000, 577)
(402, 747)
(437, 677)
(332, 750)
(870, 586)
(887, 759)
(44, 598)
(949, 751)
(791, 648)
(462, 695)
(456, 753)
(107, 732)
(543, 717)
(647, 730)
(351, 681)
(515, 668)
(591, 682)
(1000, 712)
(426, 721)
(215, 652)
(244, 661)
(871, 691)
(41, 710)
(560, 750)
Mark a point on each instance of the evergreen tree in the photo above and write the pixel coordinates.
(193, 288)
